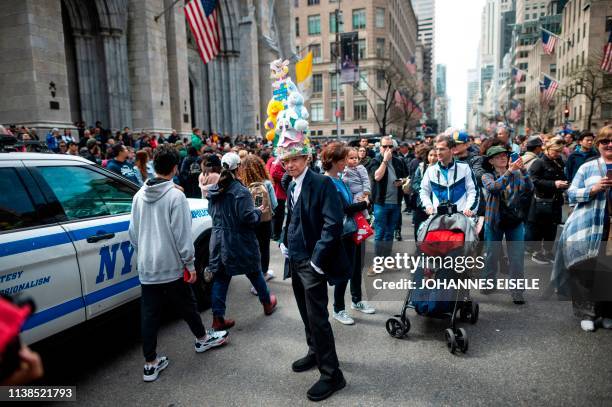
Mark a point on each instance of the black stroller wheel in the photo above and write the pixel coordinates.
(462, 340)
(451, 341)
(396, 328)
(464, 313)
(474, 313)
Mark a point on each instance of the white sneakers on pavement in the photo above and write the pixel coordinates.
(343, 317)
(151, 371)
(364, 307)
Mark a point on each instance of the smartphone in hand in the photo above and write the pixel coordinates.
(609, 174)
(258, 201)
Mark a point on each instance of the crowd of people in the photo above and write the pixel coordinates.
(517, 189)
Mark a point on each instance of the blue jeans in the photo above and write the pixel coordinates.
(386, 216)
(221, 284)
(515, 244)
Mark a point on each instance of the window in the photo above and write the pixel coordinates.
(360, 130)
(578, 36)
(313, 2)
(380, 110)
(359, 19)
(580, 112)
(583, 30)
(380, 78)
(333, 83)
(297, 26)
(380, 47)
(520, 91)
(316, 53)
(606, 110)
(332, 51)
(334, 132)
(362, 48)
(362, 84)
(553, 69)
(85, 193)
(360, 110)
(317, 83)
(380, 17)
(314, 25)
(316, 112)
(332, 23)
(16, 208)
(582, 58)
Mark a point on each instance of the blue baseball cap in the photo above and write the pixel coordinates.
(461, 136)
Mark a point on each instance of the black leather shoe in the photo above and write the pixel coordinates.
(325, 388)
(304, 364)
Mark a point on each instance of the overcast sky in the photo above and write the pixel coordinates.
(457, 35)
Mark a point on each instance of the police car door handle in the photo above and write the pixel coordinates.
(97, 238)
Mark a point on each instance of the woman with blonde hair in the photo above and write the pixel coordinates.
(545, 212)
(255, 177)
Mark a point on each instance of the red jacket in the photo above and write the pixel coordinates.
(277, 171)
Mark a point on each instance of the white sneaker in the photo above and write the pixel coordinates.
(363, 307)
(151, 372)
(606, 323)
(269, 275)
(587, 325)
(343, 318)
(212, 340)
(253, 290)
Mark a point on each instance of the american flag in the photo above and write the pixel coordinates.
(517, 74)
(411, 66)
(548, 87)
(202, 18)
(606, 62)
(548, 42)
(517, 109)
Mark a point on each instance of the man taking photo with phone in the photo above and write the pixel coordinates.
(387, 174)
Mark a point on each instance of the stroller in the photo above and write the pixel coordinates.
(448, 233)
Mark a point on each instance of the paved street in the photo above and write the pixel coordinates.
(534, 354)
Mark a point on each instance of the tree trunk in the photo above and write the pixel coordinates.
(591, 108)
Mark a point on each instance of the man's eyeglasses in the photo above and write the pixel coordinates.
(387, 146)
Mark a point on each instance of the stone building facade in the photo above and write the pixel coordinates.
(114, 61)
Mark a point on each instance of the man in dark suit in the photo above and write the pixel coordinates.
(311, 243)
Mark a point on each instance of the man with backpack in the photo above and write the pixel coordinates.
(190, 172)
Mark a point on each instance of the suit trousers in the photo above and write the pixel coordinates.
(310, 290)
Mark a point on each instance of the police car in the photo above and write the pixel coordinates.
(64, 240)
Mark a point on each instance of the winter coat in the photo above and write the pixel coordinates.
(544, 172)
(576, 159)
(233, 243)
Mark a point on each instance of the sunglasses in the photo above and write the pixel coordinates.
(387, 146)
(605, 142)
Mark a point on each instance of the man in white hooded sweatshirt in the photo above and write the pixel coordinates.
(160, 231)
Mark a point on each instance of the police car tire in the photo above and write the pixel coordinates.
(201, 288)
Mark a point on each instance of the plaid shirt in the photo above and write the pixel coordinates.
(512, 183)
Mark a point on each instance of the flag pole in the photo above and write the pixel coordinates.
(156, 18)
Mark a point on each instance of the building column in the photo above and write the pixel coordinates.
(148, 66)
(31, 35)
(178, 69)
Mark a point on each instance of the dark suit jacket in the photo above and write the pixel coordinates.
(322, 213)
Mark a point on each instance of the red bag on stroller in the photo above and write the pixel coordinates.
(441, 242)
(364, 230)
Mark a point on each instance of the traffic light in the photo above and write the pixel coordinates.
(566, 112)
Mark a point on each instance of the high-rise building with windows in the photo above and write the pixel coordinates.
(425, 11)
(387, 39)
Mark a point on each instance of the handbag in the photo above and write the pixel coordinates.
(364, 230)
(509, 217)
(543, 208)
(349, 226)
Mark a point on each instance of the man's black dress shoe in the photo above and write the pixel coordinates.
(325, 388)
(304, 364)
